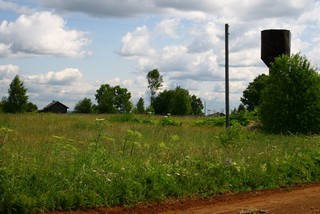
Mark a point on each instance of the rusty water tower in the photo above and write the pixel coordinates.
(274, 43)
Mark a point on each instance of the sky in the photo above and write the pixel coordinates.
(66, 49)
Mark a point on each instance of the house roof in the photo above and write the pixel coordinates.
(53, 103)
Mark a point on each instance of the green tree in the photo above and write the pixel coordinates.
(113, 99)
(251, 97)
(140, 106)
(181, 102)
(84, 106)
(31, 107)
(290, 101)
(175, 102)
(155, 81)
(122, 99)
(196, 105)
(17, 100)
(105, 99)
(162, 102)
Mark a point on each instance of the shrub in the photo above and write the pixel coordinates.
(291, 98)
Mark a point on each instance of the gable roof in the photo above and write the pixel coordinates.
(53, 103)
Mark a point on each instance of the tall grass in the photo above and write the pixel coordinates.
(63, 162)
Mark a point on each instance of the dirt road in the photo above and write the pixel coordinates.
(301, 199)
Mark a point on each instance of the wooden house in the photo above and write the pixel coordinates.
(55, 107)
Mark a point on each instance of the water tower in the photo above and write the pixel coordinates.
(274, 43)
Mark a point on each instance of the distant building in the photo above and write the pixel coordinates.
(55, 107)
(217, 114)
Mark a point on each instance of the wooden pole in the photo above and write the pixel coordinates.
(227, 75)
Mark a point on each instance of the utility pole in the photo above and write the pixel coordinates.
(227, 75)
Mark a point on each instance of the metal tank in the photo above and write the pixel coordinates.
(274, 43)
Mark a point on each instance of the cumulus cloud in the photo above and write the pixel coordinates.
(7, 73)
(65, 77)
(11, 6)
(65, 85)
(137, 43)
(41, 33)
(247, 10)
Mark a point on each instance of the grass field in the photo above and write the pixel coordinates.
(63, 162)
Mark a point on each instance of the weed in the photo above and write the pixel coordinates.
(4, 136)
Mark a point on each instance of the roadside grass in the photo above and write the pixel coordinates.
(63, 162)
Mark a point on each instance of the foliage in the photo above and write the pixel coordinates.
(41, 171)
(155, 81)
(196, 105)
(31, 107)
(140, 106)
(113, 99)
(242, 118)
(169, 121)
(177, 102)
(17, 100)
(251, 97)
(84, 106)
(291, 99)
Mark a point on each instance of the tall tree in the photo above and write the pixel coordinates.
(176, 102)
(196, 105)
(181, 102)
(84, 106)
(140, 106)
(291, 99)
(113, 99)
(122, 99)
(105, 99)
(155, 81)
(17, 100)
(251, 97)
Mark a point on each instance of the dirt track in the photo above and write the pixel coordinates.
(301, 199)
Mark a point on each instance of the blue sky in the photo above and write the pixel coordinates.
(64, 50)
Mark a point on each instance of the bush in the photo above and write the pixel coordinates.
(291, 98)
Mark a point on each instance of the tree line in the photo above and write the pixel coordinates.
(115, 99)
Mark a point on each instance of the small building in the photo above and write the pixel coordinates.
(55, 107)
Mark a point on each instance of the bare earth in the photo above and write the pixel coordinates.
(299, 199)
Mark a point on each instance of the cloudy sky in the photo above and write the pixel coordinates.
(65, 49)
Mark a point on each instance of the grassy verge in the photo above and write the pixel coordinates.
(63, 162)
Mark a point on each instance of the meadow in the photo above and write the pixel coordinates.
(66, 161)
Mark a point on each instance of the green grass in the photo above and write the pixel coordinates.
(64, 162)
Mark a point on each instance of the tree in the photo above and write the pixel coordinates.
(290, 101)
(252, 94)
(122, 99)
(31, 107)
(176, 102)
(181, 102)
(155, 81)
(140, 106)
(113, 99)
(17, 100)
(105, 99)
(196, 105)
(84, 106)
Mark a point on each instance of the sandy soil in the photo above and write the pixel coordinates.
(299, 199)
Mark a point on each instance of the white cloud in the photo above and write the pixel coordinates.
(42, 33)
(65, 77)
(168, 27)
(137, 43)
(11, 6)
(66, 85)
(8, 71)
